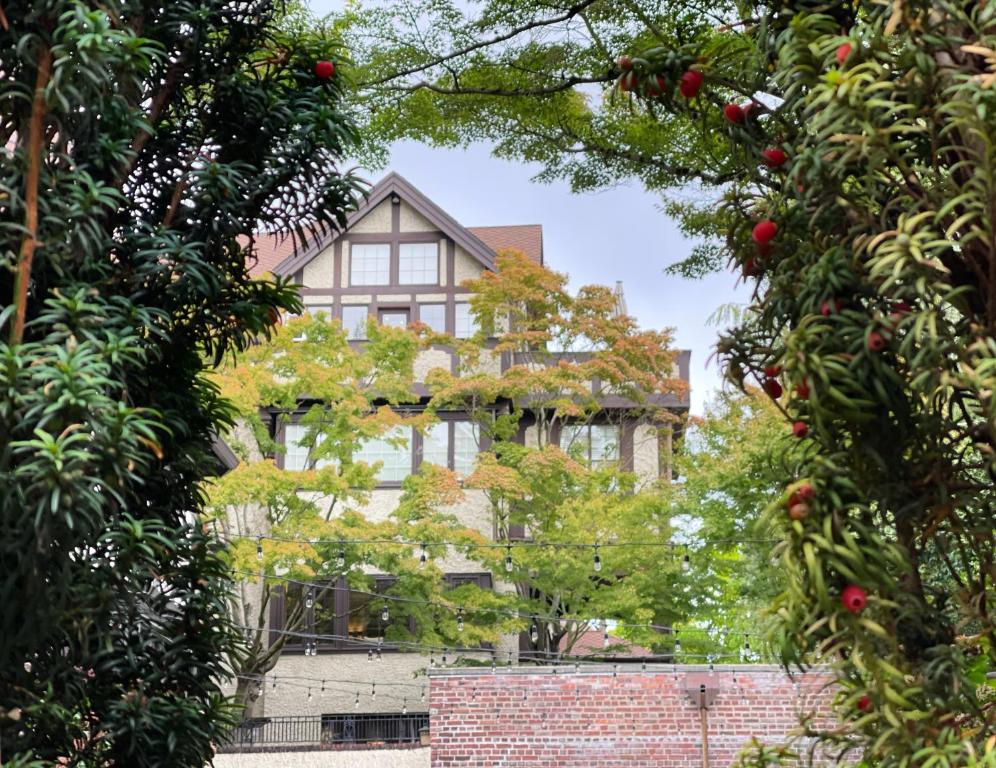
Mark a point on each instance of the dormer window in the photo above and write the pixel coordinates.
(370, 264)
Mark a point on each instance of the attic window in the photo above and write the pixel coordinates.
(370, 264)
(418, 264)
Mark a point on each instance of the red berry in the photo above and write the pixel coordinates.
(772, 370)
(800, 429)
(625, 63)
(324, 70)
(773, 388)
(854, 598)
(876, 341)
(802, 390)
(826, 309)
(803, 493)
(655, 86)
(748, 108)
(799, 511)
(734, 114)
(903, 306)
(629, 81)
(843, 52)
(764, 232)
(774, 157)
(864, 703)
(690, 84)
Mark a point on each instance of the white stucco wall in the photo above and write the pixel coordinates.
(646, 454)
(412, 220)
(465, 267)
(358, 758)
(377, 220)
(428, 359)
(320, 271)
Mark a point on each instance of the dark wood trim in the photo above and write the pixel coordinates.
(395, 213)
(450, 263)
(430, 236)
(337, 265)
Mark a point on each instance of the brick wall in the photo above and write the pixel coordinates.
(533, 718)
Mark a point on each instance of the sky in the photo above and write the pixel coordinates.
(617, 234)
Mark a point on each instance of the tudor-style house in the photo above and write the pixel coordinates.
(403, 259)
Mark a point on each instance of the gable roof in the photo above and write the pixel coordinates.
(392, 184)
(527, 238)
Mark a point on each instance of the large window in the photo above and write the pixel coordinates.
(341, 618)
(296, 455)
(354, 321)
(434, 316)
(463, 436)
(394, 318)
(370, 264)
(597, 444)
(418, 264)
(466, 323)
(396, 458)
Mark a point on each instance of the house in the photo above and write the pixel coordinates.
(403, 259)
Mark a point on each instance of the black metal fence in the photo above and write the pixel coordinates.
(320, 730)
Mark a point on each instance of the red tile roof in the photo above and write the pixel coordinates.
(592, 643)
(267, 252)
(527, 238)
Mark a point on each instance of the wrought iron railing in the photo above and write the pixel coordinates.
(321, 730)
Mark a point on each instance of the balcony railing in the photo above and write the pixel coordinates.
(328, 730)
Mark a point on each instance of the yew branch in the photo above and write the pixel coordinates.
(29, 243)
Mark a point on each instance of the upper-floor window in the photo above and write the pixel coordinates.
(434, 316)
(453, 444)
(418, 264)
(297, 455)
(370, 264)
(597, 444)
(354, 321)
(394, 449)
(465, 322)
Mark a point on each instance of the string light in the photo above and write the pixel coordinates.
(404, 707)
(423, 555)
(373, 690)
(459, 619)
(309, 600)
(422, 696)
(356, 703)
(686, 563)
(597, 562)
(379, 643)
(340, 557)
(443, 661)
(384, 615)
(259, 548)
(370, 654)
(605, 638)
(534, 633)
(509, 565)
(309, 694)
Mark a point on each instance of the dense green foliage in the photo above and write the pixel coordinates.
(128, 174)
(858, 197)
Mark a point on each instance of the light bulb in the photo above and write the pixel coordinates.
(309, 695)
(340, 559)
(443, 661)
(534, 633)
(370, 655)
(686, 563)
(423, 556)
(309, 600)
(509, 565)
(432, 661)
(459, 619)
(597, 562)
(259, 548)
(605, 639)
(422, 697)
(356, 703)
(373, 690)
(384, 615)
(404, 707)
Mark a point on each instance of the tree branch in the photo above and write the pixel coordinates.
(30, 241)
(570, 13)
(560, 87)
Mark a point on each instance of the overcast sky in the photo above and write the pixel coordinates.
(614, 235)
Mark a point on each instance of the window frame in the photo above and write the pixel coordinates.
(352, 264)
(397, 272)
(587, 431)
(474, 325)
(363, 327)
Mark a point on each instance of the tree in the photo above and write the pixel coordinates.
(128, 179)
(346, 396)
(858, 141)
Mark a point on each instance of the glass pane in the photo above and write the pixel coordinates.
(315, 310)
(365, 614)
(297, 451)
(418, 263)
(466, 323)
(394, 318)
(434, 316)
(354, 321)
(397, 462)
(574, 440)
(370, 264)
(436, 444)
(466, 446)
(604, 443)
